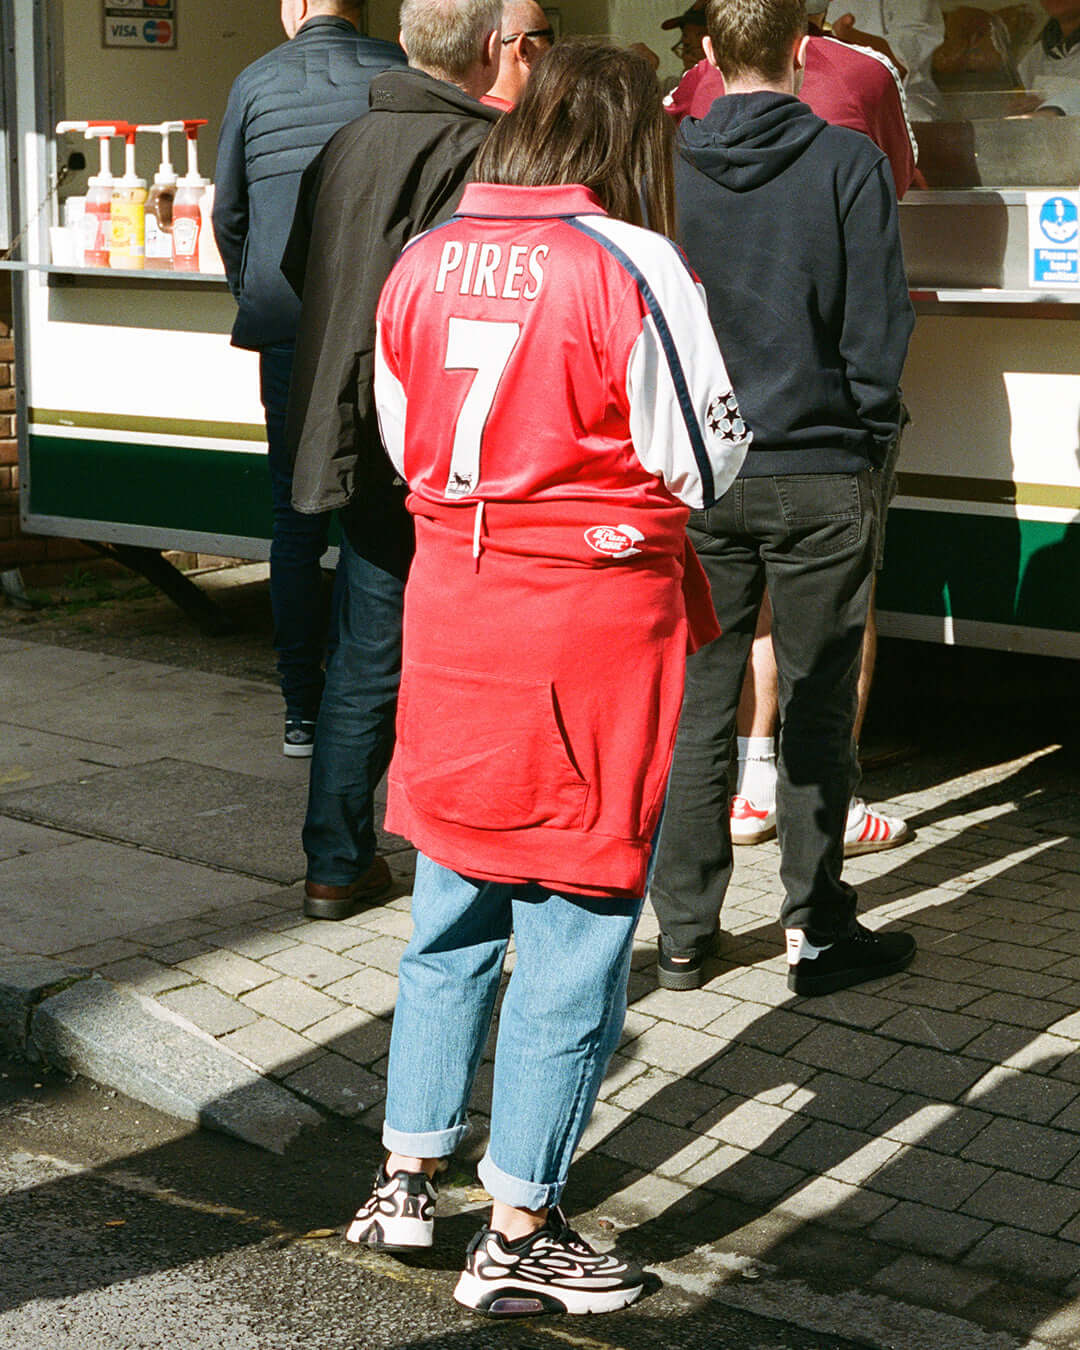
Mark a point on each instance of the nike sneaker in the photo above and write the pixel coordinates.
(550, 1271)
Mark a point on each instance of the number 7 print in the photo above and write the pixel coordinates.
(484, 346)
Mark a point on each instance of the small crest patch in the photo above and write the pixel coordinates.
(614, 541)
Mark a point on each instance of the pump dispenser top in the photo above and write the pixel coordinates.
(159, 203)
(96, 225)
(191, 131)
(130, 178)
(103, 132)
(166, 174)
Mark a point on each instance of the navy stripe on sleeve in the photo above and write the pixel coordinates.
(678, 378)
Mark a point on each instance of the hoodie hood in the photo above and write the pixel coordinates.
(747, 140)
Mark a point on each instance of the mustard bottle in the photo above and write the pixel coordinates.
(127, 218)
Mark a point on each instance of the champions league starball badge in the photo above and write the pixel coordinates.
(724, 420)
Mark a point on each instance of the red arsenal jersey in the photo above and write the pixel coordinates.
(549, 385)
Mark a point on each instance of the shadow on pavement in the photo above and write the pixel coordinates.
(934, 1116)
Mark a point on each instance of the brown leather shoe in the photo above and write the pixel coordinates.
(340, 902)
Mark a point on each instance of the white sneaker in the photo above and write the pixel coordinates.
(869, 831)
(299, 742)
(550, 1271)
(750, 823)
(398, 1215)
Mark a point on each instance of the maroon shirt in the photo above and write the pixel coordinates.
(844, 85)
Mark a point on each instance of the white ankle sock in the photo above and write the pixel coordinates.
(757, 770)
(800, 948)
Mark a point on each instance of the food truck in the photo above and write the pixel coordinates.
(140, 426)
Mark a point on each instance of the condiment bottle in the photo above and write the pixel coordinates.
(159, 203)
(128, 216)
(187, 213)
(97, 220)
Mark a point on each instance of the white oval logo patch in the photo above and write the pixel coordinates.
(614, 541)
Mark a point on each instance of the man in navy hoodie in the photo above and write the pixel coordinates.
(791, 224)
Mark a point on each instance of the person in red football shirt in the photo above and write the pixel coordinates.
(549, 386)
(853, 87)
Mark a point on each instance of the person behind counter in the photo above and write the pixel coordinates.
(1052, 66)
(548, 613)
(281, 111)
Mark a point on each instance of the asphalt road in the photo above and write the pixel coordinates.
(122, 1228)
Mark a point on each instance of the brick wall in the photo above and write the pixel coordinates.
(9, 473)
(43, 560)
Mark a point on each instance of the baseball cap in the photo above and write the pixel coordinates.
(696, 14)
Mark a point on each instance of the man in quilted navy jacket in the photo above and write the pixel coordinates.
(282, 110)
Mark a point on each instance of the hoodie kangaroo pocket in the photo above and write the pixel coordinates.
(486, 751)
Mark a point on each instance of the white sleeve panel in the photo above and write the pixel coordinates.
(390, 405)
(684, 419)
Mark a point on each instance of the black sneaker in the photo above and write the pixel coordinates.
(299, 739)
(550, 1271)
(683, 968)
(860, 956)
(398, 1215)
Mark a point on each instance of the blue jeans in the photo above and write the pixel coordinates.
(354, 736)
(559, 1025)
(296, 545)
(811, 538)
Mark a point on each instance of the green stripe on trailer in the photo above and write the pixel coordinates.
(991, 569)
(997, 491)
(164, 426)
(212, 491)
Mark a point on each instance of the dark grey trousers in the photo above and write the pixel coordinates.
(810, 538)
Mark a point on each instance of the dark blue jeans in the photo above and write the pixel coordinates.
(354, 737)
(296, 545)
(811, 539)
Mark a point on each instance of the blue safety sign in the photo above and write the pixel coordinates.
(1053, 239)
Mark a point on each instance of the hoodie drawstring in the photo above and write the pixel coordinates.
(478, 525)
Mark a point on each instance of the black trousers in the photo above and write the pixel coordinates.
(809, 538)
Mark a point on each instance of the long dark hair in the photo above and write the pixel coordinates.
(591, 113)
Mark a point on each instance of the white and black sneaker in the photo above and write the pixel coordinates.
(299, 741)
(858, 956)
(550, 1271)
(398, 1215)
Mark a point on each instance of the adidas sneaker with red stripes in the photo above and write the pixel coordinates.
(869, 831)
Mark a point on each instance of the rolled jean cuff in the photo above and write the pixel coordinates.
(430, 1144)
(513, 1191)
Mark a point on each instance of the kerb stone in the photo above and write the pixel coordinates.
(24, 982)
(130, 1043)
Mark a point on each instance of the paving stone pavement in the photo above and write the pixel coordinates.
(919, 1136)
